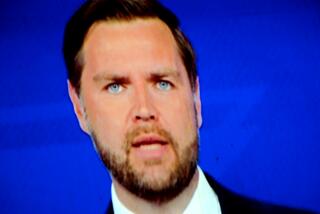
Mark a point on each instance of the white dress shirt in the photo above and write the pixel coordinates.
(204, 199)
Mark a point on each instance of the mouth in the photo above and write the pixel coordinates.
(148, 141)
(150, 147)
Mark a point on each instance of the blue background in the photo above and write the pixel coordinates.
(259, 64)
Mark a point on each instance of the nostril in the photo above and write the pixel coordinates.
(145, 117)
(144, 112)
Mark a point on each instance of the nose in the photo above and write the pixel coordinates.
(144, 109)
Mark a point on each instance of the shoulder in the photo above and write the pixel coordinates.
(231, 202)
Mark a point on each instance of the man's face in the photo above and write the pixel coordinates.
(137, 104)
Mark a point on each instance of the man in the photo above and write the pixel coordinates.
(134, 87)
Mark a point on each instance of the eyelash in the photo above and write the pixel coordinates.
(165, 81)
(108, 86)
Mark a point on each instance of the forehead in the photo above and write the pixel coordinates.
(112, 42)
(146, 26)
(125, 34)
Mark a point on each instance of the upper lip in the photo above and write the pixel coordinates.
(148, 139)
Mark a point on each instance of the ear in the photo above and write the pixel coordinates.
(197, 102)
(78, 107)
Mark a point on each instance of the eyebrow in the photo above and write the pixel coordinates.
(153, 76)
(157, 75)
(110, 77)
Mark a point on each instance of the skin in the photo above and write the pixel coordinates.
(133, 76)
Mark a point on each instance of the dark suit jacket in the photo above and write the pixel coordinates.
(233, 203)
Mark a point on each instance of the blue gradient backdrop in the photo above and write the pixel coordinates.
(259, 64)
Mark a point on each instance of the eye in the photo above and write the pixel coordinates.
(114, 88)
(164, 85)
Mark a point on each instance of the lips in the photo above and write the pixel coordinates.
(149, 147)
(148, 140)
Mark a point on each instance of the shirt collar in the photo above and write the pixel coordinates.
(118, 207)
(204, 199)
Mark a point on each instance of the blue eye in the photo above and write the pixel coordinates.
(114, 88)
(164, 85)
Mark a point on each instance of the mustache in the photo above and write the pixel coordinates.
(137, 131)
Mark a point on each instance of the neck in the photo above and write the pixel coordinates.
(139, 205)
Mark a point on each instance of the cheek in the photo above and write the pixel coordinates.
(179, 118)
(108, 121)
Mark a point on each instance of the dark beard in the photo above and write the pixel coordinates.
(157, 192)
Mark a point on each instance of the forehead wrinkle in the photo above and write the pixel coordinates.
(166, 71)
